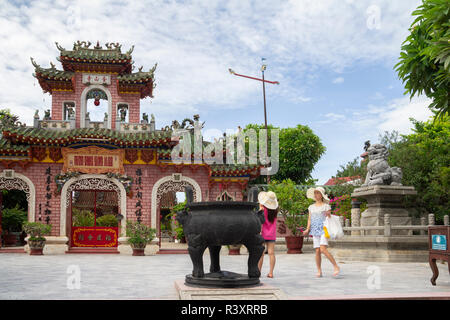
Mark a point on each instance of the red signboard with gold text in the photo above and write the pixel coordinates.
(94, 236)
(93, 160)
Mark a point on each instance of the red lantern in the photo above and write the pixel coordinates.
(97, 100)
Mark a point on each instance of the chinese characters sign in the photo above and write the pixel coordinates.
(93, 160)
(92, 78)
(138, 211)
(94, 236)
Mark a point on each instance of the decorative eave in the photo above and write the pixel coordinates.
(52, 79)
(224, 171)
(7, 149)
(62, 138)
(139, 82)
(82, 58)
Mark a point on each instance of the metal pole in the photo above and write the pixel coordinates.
(265, 118)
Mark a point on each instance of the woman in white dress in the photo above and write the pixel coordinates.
(317, 214)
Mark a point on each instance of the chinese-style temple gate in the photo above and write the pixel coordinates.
(87, 178)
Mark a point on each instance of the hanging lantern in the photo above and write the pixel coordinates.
(97, 100)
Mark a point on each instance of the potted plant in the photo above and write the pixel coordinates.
(12, 221)
(36, 232)
(234, 249)
(293, 204)
(139, 235)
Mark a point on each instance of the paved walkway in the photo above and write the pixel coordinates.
(152, 277)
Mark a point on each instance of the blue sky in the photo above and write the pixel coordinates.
(334, 61)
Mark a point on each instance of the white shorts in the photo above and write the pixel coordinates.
(319, 241)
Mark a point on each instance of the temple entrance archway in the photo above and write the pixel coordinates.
(88, 185)
(10, 180)
(164, 194)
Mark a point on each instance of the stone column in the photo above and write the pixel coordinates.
(387, 225)
(431, 221)
(423, 222)
(356, 217)
(152, 125)
(36, 120)
(341, 221)
(446, 220)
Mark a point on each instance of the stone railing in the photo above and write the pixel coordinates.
(54, 124)
(96, 124)
(135, 127)
(357, 230)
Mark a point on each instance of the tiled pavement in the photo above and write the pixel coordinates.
(152, 277)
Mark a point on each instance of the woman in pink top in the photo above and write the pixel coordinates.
(269, 204)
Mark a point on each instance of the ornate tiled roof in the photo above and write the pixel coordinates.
(9, 149)
(139, 82)
(83, 58)
(52, 78)
(82, 54)
(41, 136)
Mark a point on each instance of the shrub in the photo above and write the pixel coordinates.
(82, 218)
(108, 220)
(342, 206)
(37, 230)
(13, 219)
(178, 228)
(293, 204)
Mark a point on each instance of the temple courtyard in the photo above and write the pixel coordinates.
(111, 276)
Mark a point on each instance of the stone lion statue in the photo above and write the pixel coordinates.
(378, 170)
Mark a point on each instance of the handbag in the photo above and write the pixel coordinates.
(333, 227)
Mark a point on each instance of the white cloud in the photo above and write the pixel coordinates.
(398, 112)
(338, 80)
(195, 43)
(392, 116)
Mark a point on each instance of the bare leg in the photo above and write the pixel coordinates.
(324, 250)
(260, 262)
(318, 263)
(271, 252)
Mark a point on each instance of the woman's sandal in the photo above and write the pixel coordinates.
(269, 275)
(318, 275)
(336, 273)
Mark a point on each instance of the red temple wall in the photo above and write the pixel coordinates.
(36, 172)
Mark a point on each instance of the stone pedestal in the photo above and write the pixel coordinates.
(53, 245)
(383, 200)
(261, 292)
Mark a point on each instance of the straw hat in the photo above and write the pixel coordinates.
(268, 199)
(310, 193)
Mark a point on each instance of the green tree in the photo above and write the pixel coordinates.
(300, 149)
(356, 167)
(425, 162)
(424, 65)
(7, 119)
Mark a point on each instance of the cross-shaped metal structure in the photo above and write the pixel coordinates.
(263, 68)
